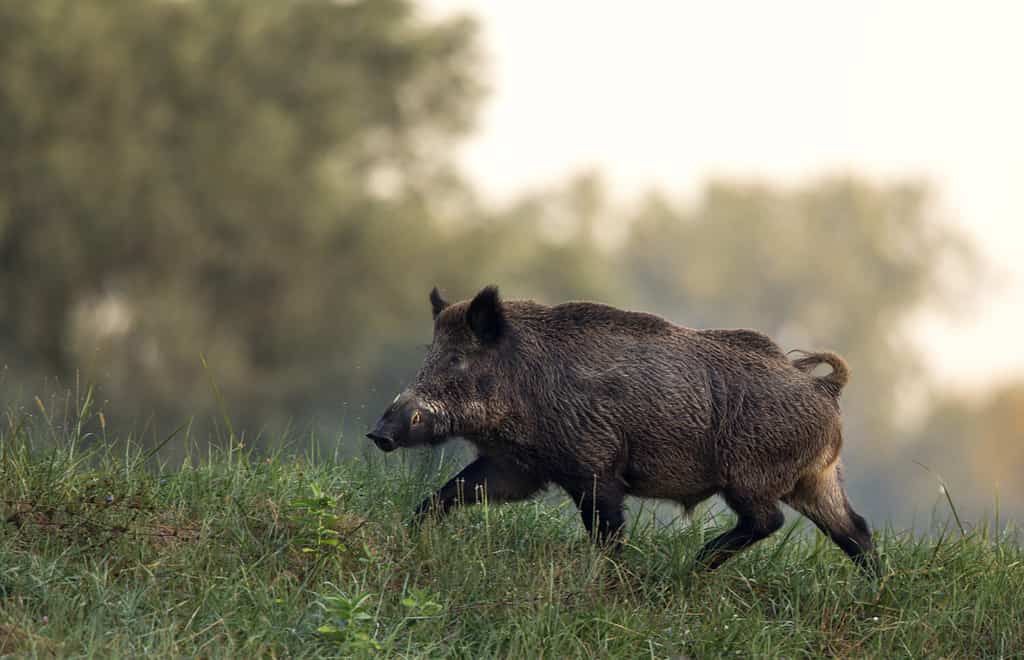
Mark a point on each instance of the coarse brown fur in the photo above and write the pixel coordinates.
(607, 403)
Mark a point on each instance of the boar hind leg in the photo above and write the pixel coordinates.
(758, 519)
(483, 478)
(821, 498)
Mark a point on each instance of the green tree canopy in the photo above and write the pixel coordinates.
(222, 177)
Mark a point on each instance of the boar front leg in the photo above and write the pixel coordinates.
(486, 476)
(601, 510)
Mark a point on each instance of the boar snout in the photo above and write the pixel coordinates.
(383, 442)
(404, 424)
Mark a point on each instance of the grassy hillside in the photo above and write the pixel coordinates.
(104, 552)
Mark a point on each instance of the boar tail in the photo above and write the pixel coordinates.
(834, 381)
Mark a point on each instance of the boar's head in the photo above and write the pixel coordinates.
(462, 387)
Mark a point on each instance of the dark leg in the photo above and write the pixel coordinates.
(601, 510)
(758, 519)
(858, 545)
(822, 499)
(500, 482)
(851, 533)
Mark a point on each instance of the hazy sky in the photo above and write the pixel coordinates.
(672, 93)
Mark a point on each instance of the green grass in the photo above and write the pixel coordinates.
(104, 553)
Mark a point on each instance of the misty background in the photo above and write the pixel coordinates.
(275, 186)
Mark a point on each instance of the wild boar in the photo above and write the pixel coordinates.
(606, 403)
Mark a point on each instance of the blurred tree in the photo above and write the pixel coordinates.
(998, 451)
(542, 245)
(222, 177)
(975, 445)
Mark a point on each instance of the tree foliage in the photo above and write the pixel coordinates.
(220, 177)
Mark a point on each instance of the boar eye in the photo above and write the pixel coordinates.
(454, 361)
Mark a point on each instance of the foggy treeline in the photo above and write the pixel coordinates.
(270, 185)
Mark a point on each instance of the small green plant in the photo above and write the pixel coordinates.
(318, 521)
(420, 604)
(348, 621)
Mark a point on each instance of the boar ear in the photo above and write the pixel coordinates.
(437, 303)
(485, 316)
